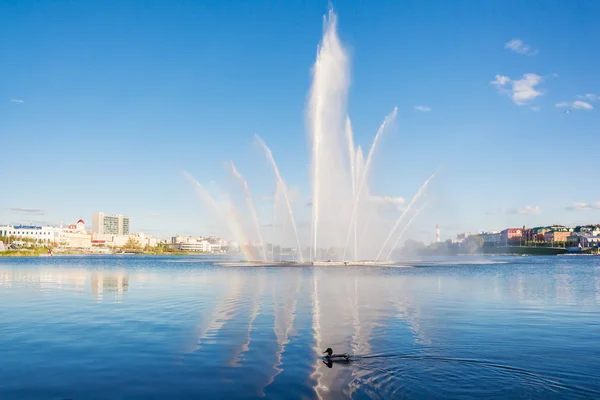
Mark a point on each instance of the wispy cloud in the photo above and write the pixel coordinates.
(423, 108)
(31, 211)
(589, 97)
(577, 104)
(17, 101)
(521, 91)
(583, 206)
(526, 210)
(519, 47)
(495, 212)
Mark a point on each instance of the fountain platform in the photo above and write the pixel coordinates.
(243, 263)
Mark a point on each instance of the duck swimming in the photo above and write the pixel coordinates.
(335, 357)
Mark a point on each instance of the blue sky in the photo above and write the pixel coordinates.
(101, 108)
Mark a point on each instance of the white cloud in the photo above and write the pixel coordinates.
(577, 104)
(519, 47)
(501, 80)
(17, 101)
(582, 104)
(522, 90)
(535, 108)
(387, 200)
(423, 108)
(583, 206)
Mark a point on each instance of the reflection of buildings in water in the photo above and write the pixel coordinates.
(520, 287)
(44, 278)
(113, 283)
(597, 286)
(564, 288)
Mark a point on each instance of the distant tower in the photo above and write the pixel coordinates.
(437, 233)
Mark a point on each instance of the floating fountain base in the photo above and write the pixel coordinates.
(311, 263)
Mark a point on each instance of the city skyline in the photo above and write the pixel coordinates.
(112, 116)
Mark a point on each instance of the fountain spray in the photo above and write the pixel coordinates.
(250, 204)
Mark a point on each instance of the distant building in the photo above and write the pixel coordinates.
(511, 235)
(110, 224)
(583, 241)
(75, 236)
(490, 238)
(593, 230)
(556, 236)
(461, 237)
(201, 244)
(39, 234)
(107, 240)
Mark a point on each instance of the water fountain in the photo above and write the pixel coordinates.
(346, 222)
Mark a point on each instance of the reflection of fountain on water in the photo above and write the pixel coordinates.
(224, 310)
(254, 311)
(285, 302)
(341, 201)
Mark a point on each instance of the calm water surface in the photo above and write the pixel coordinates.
(133, 327)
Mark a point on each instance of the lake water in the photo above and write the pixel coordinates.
(135, 327)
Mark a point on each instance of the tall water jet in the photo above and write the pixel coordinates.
(340, 199)
(326, 119)
(283, 189)
(353, 173)
(403, 231)
(364, 172)
(412, 201)
(250, 204)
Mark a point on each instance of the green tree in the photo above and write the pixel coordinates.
(132, 244)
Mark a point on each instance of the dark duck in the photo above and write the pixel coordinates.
(331, 358)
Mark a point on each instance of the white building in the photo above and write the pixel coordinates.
(75, 236)
(103, 239)
(39, 234)
(110, 224)
(201, 244)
